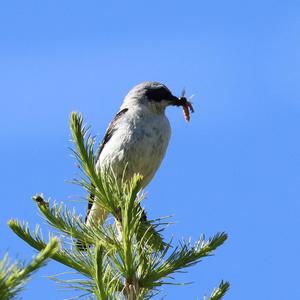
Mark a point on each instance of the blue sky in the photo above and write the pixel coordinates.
(234, 168)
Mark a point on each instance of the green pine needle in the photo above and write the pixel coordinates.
(220, 291)
(13, 277)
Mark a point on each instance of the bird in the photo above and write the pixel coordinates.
(137, 138)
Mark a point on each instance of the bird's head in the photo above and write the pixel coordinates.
(153, 95)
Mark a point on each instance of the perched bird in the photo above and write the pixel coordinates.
(137, 138)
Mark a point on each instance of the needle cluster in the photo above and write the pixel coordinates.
(13, 276)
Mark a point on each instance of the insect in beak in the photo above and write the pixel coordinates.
(186, 105)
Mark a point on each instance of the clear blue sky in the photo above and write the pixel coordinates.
(235, 167)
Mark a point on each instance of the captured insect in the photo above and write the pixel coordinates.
(186, 105)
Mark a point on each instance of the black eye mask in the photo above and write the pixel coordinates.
(159, 94)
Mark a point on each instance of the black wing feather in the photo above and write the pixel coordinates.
(110, 130)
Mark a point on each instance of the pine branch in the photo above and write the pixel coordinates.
(84, 143)
(59, 217)
(73, 260)
(84, 153)
(99, 274)
(220, 291)
(182, 257)
(14, 277)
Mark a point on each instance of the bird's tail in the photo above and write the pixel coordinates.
(148, 233)
(82, 246)
(94, 215)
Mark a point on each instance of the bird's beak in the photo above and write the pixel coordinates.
(174, 101)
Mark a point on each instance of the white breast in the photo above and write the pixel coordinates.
(139, 143)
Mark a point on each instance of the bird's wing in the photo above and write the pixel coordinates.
(108, 134)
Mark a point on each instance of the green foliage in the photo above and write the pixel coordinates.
(125, 259)
(14, 276)
(219, 292)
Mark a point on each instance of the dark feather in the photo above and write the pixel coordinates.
(109, 132)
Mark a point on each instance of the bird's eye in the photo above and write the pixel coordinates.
(158, 94)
